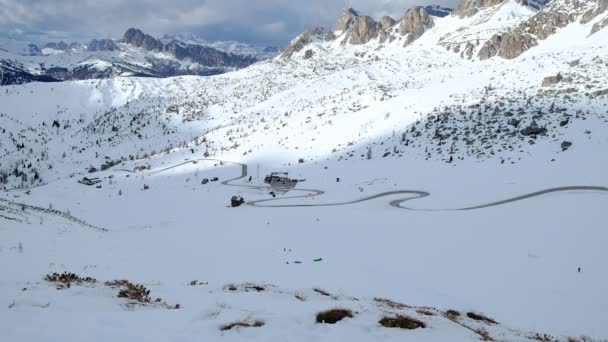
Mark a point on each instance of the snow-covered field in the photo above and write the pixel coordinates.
(390, 143)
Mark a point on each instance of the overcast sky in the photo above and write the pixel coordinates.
(265, 22)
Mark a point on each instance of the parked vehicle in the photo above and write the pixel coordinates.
(237, 201)
(205, 181)
(215, 179)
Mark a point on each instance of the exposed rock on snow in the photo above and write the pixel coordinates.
(297, 44)
(601, 7)
(346, 19)
(468, 8)
(102, 45)
(507, 45)
(414, 23)
(599, 25)
(362, 30)
(551, 80)
(558, 14)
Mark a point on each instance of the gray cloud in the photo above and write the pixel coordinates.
(256, 21)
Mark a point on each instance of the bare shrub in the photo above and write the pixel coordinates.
(333, 316)
(480, 317)
(391, 304)
(66, 279)
(452, 314)
(425, 312)
(137, 293)
(402, 322)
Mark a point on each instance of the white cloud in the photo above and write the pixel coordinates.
(264, 21)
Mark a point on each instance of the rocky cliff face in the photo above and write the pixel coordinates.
(601, 7)
(138, 39)
(545, 23)
(414, 23)
(346, 19)
(102, 45)
(297, 44)
(468, 8)
(202, 55)
(507, 45)
(362, 30)
(600, 25)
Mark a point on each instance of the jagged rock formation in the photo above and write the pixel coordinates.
(414, 23)
(346, 19)
(362, 30)
(297, 44)
(545, 23)
(507, 45)
(468, 8)
(602, 6)
(202, 55)
(600, 25)
(386, 24)
(137, 38)
(102, 45)
(438, 11)
(62, 46)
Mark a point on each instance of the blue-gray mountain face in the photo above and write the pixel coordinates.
(136, 54)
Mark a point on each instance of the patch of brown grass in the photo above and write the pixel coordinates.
(480, 317)
(402, 322)
(136, 293)
(242, 324)
(391, 304)
(67, 279)
(333, 316)
(452, 314)
(425, 312)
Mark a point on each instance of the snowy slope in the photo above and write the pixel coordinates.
(392, 143)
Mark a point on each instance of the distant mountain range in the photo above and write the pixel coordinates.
(136, 54)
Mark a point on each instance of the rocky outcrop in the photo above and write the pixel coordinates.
(346, 19)
(507, 45)
(438, 11)
(468, 8)
(552, 80)
(102, 45)
(601, 7)
(512, 44)
(139, 39)
(598, 26)
(386, 23)
(362, 30)
(61, 46)
(301, 41)
(414, 23)
(202, 55)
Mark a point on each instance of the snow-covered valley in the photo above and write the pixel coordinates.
(467, 194)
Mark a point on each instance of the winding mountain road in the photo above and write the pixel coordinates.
(397, 203)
